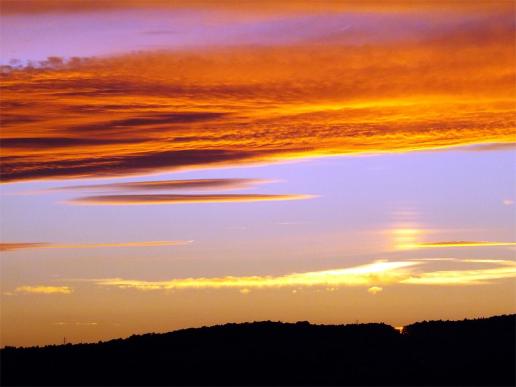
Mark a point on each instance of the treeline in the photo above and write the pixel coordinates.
(470, 352)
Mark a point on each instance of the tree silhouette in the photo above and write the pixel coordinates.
(477, 352)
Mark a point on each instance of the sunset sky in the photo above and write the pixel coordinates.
(172, 164)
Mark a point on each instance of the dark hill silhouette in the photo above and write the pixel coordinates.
(468, 352)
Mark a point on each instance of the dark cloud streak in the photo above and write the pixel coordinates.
(170, 185)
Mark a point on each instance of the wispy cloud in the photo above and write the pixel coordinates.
(43, 289)
(503, 270)
(172, 185)
(20, 246)
(461, 244)
(124, 200)
(409, 238)
(492, 147)
(374, 275)
(76, 323)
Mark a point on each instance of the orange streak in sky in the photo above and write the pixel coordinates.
(123, 200)
(35, 245)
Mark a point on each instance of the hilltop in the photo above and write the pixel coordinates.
(468, 352)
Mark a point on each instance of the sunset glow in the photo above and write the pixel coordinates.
(176, 164)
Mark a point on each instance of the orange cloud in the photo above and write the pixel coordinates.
(22, 245)
(165, 111)
(124, 200)
(19, 246)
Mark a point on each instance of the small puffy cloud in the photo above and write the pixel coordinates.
(374, 290)
(508, 202)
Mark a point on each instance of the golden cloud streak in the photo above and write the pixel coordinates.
(42, 289)
(466, 277)
(165, 111)
(376, 272)
(371, 275)
(20, 246)
(461, 244)
(125, 200)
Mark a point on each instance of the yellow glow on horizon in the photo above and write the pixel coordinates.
(374, 274)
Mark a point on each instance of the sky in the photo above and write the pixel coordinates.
(178, 164)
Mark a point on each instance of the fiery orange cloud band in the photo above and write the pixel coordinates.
(123, 200)
(258, 6)
(165, 111)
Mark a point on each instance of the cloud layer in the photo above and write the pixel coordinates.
(372, 275)
(214, 106)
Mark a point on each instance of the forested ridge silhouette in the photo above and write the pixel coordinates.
(470, 352)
